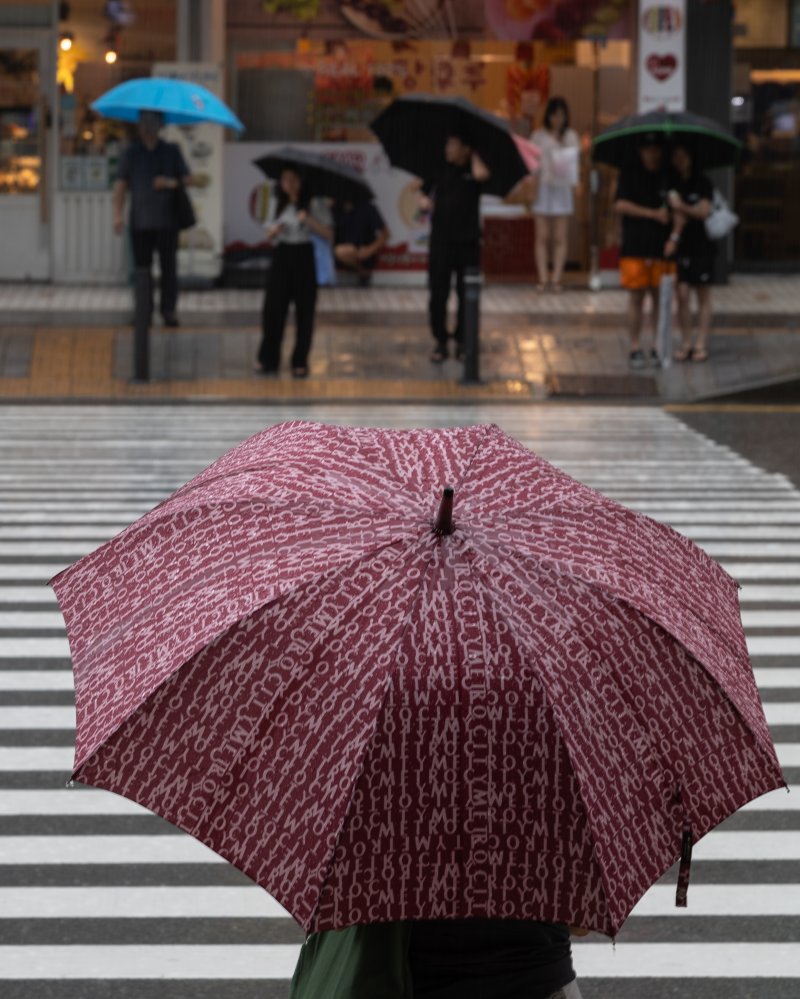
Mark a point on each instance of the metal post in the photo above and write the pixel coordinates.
(472, 322)
(142, 310)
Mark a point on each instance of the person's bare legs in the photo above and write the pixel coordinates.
(543, 236)
(560, 227)
(703, 321)
(635, 313)
(684, 321)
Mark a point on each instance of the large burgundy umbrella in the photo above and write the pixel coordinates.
(525, 707)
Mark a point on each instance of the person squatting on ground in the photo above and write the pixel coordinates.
(690, 199)
(453, 198)
(439, 959)
(649, 242)
(152, 170)
(292, 275)
(360, 234)
(557, 180)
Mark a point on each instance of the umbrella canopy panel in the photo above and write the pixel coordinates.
(413, 130)
(326, 177)
(711, 146)
(181, 102)
(375, 721)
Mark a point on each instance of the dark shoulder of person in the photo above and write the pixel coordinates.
(642, 187)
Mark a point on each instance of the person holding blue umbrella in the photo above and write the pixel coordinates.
(152, 171)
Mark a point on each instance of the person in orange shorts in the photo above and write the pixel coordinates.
(648, 242)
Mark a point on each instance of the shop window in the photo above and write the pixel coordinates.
(20, 109)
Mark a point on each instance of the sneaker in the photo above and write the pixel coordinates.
(636, 359)
(655, 360)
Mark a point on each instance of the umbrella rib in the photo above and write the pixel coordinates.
(422, 585)
(509, 619)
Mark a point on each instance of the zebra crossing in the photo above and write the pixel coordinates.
(98, 898)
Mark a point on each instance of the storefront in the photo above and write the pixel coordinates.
(318, 71)
(57, 157)
(766, 116)
(27, 91)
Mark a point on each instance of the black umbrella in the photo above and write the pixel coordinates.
(710, 145)
(325, 177)
(413, 130)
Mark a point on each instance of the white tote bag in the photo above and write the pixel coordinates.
(721, 220)
(564, 165)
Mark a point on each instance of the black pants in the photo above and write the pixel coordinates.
(445, 259)
(292, 277)
(165, 241)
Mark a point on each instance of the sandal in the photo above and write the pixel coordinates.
(684, 354)
(438, 356)
(700, 354)
(300, 372)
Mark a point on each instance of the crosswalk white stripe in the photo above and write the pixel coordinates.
(722, 900)
(63, 717)
(687, 960)
(58, 648)
(215, 902)
(155, 849)
(259, 962)
(775, 677)
(143, 962)
(85, 801)
(175, 902)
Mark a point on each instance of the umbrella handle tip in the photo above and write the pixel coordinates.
(444, 518)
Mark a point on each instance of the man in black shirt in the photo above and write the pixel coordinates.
(453, 196)
(359, 236)
(152, 170)
(648, 242)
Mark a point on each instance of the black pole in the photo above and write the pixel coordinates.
(142, 308)
(472, 325)
(444, 519)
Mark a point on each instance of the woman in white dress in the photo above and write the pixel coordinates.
(555, 201)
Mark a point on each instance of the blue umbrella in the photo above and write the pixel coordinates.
(180, 102)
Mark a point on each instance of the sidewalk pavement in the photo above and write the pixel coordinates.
(62, 343)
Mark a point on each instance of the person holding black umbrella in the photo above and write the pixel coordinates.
(453, 197)
(292, 275)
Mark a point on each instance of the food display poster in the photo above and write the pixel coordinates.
(662, 56)
(200, 251)
(250, 200)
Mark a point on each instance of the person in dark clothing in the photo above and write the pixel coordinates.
(690, 199)
(360, 234)
(152, 170)
(292, 274)
(439, 959)
(648, 241)
(453, 197)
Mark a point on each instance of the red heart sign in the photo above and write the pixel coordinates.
(661, 66)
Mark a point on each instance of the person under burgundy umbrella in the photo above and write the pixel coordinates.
(404, 677)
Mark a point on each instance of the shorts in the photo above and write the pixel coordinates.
(696, 271)
(636, 273)
(554, 199)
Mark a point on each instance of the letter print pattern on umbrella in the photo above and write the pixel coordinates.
(376, 722)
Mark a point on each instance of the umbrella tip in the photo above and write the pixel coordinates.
(444, 518)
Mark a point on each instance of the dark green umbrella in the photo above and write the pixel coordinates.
(710, 145)
(413, 130)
